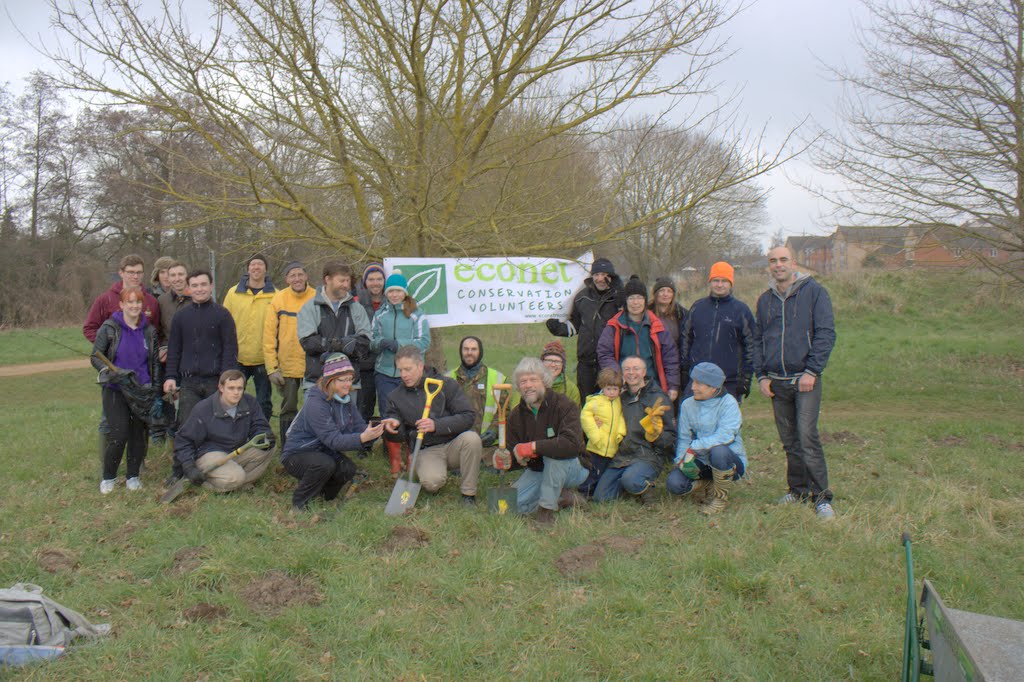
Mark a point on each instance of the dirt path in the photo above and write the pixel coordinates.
(40, 367)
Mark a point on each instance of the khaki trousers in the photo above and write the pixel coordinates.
(462, 453)
(235, 473)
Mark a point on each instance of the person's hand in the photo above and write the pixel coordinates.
(766, 388)
(502, 460)
(277, 378)
(371, 433)
(525, 452)
(348, 344)
(163, 354)
(425, 425)
(391, 425)
(170, 386)
(806, 383)
(554, 326)
(488, 438)
(598, 422)
(673, 394)
(389, 345)
(653, 423)
(192, 473)
(334, 345)
(688, 465)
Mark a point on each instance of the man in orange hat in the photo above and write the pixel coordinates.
(719, 330)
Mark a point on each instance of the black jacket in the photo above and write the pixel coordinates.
(202, 342)
(108, 337)
(634, 447)
(451, 410)
(591, 310)
(555, 428)
(719, 330)
(209, 428)
(321, 330)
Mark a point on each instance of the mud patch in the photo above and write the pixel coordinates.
(579, 560)
(618, 544)
(999, 442)
(842, 438)
(204, 612)
(53, 560)
(277, 591)
(405, 537)
(188, 559)
(951, 442)
(182, 508)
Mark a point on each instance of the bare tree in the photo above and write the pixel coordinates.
(934, 125)
(662, 166)
(401, 127)
(40, 120)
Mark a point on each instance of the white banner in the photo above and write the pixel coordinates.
(457, 291)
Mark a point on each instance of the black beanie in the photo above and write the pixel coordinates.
(664, 282)
(603, 265)
(634, 287)
(479, 343)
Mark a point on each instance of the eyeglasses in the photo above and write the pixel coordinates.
(133, 273)
(344, 380)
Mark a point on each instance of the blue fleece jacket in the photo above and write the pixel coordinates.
(324, 425)
(704, 424)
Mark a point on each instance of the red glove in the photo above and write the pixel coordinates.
(502, 460)
(525, 450)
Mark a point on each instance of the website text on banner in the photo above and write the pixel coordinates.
(457, 291)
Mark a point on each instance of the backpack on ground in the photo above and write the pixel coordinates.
(33, 626)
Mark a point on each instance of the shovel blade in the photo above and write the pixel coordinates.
(172, 493)
(403, 497)
(502, 500)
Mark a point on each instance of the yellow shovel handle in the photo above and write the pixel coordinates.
(432, 387)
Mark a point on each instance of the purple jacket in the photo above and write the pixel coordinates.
(663, 348)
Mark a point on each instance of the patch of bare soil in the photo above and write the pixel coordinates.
(996, 440)
(579, 560)
(182, 507)
(277, 591)
(951, 442)
(204, 611)
(41, 367)
(188, 559)
(53, 560)
(619, 544)
(842, 438)
(405, 537)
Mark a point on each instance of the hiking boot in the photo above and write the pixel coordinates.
(469, 501)
(824, 511)
(171, 480)
(544, 517)
(133, 483)
(721, 481)
(107, 486)
(648, 497)
(788, 498)
(571, 498)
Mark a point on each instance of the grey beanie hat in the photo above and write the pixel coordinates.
(709, 374)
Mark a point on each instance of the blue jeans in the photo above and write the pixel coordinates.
(634, 479)
(718, 457)
(260, 380)
(384, 385)
(796, 418)
(545, 487)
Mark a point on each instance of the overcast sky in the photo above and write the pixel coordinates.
(779, 46)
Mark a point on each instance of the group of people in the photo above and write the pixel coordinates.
(657, 385)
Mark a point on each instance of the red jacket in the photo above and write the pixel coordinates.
(663, 348)
(109, 302)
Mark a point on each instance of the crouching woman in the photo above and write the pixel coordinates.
(709, 448)
(327, 426)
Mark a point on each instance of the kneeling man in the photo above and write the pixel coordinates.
(218, 425)
(449, 441)
(545, 435)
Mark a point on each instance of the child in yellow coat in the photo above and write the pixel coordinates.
(603, 425)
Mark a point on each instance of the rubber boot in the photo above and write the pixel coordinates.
(698, 493)
(394, 457)
(721, 481)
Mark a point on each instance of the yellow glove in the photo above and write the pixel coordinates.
(653, 423)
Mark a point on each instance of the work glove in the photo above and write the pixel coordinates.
(389, 345)
(555, 326)
(348, 344)
(525, 451)
(488, 438)
(744, 387)
(334, 345)
(193, 473)
(653, 423)
(277, 378)
(502, 460)
(688, 465)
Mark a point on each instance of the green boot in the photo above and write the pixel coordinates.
(721, 481)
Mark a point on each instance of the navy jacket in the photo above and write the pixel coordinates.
(794, 334)
(202, 342)
(719, 330)
(451, 410)
(209, 428)
(324, 425)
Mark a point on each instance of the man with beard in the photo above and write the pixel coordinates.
(546, 438)
(333, 322)
(477, 381)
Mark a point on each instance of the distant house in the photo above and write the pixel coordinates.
(813, 253)
(918, 246)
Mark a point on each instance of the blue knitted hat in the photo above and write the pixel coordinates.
(709, 374)
(396, 281)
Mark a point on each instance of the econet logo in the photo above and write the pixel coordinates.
(428, 284)
(519, 273)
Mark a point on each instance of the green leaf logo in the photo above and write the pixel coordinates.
(424, 285)
(428, 284)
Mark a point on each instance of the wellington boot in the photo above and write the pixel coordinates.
(721, 481)
(699, 491)
(394, 457)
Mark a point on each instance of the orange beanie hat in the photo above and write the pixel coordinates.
(723, 270)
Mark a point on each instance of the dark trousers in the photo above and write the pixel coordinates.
(289, 405)
(318, 474)
(595, 465)
(261, 382)
(126, 430)
(367, 394)
(796, 418)
(586, 378)
(193, 389)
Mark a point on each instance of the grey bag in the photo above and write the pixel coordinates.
(27, 618)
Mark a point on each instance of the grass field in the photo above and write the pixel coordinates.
(922, 416)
